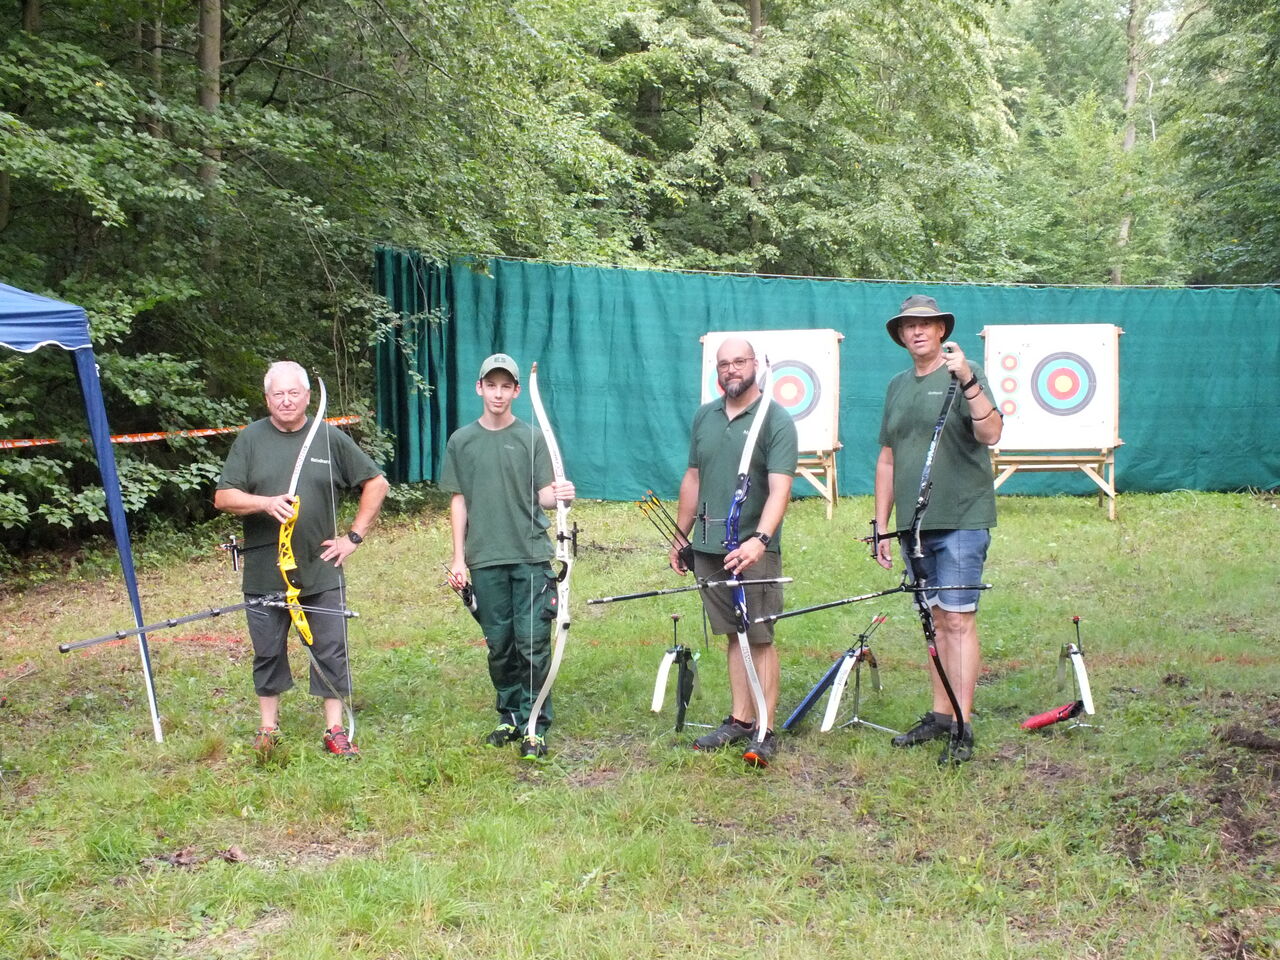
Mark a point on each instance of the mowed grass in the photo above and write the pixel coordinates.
(1154, 834)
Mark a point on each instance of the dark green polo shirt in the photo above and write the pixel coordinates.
(261, 462)
(499, 474)
(963, 496)
(716, 450)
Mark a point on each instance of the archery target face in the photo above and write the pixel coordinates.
(806, 377)
(1063, 384)
(1057, 385)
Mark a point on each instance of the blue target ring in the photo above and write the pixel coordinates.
(1063, 384)
(796, 388)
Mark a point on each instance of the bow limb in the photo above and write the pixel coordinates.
(285, 559)
(923, 609)
(287, 562)
(565, 548)
(733, 540)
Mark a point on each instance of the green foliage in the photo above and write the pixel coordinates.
(1225, 116)
(956, 140)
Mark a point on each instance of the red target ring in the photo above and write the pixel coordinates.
(1063, 384)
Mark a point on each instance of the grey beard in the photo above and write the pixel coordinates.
(737, 388)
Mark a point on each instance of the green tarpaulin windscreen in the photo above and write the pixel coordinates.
(619, 361)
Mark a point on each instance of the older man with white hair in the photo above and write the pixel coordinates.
(256, 485)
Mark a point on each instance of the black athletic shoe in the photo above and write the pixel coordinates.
(533, 748)
(731, 731)
(503, 734)
(958, 751)
(762, 752)
(931, 726)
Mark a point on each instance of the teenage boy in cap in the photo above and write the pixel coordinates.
(962, 505)
(499, 472)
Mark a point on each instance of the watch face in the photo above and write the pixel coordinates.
(355, 537)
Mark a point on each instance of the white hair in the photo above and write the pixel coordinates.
(280, 366)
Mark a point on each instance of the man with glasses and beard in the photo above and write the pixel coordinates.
(720, 430)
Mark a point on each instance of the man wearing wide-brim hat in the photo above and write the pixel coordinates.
(955, 530)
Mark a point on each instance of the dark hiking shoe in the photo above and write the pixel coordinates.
(338, 743)
(957, 751)
(533, 748)
(761, 752)
(503, 734)
(931, 726)
(731, 731)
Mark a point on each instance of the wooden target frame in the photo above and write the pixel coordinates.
(806, 383)
(1058, 387)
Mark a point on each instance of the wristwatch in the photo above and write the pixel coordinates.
(355, 537)
(762, 537)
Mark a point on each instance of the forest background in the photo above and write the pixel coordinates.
(208, 177)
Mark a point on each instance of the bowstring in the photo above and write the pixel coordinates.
(342, 586)
(533, 532)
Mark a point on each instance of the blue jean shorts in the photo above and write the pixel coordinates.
(950, 557)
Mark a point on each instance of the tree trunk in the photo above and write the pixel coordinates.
(31, 24)
(755, 180)
(157, 63)
(209, 59)
(1133, 61)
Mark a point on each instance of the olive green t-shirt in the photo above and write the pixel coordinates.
(261, 462)
(963, 496)
(499, 474)
(716, 452)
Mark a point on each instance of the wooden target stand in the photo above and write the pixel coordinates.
(1098, 465)
(819, 468)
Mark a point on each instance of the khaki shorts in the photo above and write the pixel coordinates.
(763, 599)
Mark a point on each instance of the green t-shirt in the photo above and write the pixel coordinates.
(716, 451)
(261, 462)
(499, 474)
(962, 497)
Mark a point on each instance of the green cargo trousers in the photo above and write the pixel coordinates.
(515, 604)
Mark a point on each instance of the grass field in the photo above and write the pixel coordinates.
(1155, 834)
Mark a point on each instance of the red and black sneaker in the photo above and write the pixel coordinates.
(265, 741)
(337, 742)
(762, 752)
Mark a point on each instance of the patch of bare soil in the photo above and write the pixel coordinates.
(238, 942)
(1241, 936)
(1242, 789)
(1040, 768)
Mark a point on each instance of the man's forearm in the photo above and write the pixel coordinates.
(776, 505)
(238, 502)
(371, 498)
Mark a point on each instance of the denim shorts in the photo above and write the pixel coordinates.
(950, 557)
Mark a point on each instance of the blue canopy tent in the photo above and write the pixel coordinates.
(29, 322)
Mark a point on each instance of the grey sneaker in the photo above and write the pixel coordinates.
(731, 731)
(957, 751)
(762, 752)
(931, 726)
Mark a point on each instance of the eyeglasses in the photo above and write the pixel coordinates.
(275, 396)
(725, 365)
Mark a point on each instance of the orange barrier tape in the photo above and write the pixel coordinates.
(150, 437)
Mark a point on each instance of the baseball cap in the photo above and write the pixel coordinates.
(500, 361)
